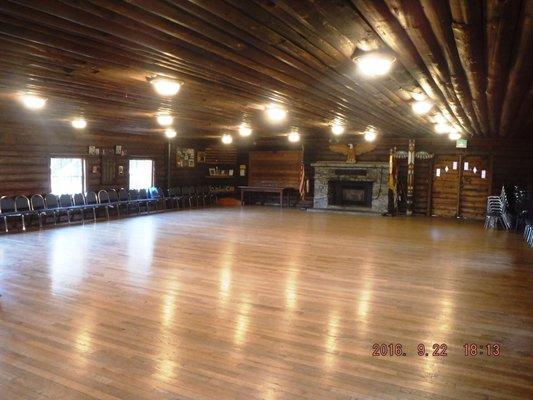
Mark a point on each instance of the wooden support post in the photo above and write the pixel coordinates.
(410, 177)
(459, 186)
(169, 150)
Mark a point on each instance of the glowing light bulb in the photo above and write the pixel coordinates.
(165, 119)
(170, 133)
(374, 64)
(32, 102)
(294, 136)
(370, 135)
(442, 128)
(165, 86)
(454, 134)
(337, 129)
(227, 139)
(422, 107)
(275, 114)
(245, 130)
(79, 123)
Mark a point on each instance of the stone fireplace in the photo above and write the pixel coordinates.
(352, 187)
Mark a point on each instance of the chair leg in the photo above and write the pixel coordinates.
(23, 222)
(5, 224)
(40, 217)
(107, 212)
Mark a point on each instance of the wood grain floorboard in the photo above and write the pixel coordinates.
(261, 303)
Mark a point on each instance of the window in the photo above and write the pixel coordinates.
(67, 175)
(141, 174)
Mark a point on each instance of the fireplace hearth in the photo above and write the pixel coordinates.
(351, 187)
(350, 193)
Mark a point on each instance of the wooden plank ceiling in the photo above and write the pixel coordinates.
(93, 57)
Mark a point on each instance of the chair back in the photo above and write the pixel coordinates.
(37, 202)
(185, 190)
(174, 191)
(90, 198)
(161, 192)
(103, 196)
(123, 195)
(154, 193)
(133, 194)
(79, 199)
(7, 204)
(113, 196)
(142, 194)
(65, 200)
(51, 201)
(22, 203)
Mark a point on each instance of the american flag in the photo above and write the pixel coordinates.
(302, 180)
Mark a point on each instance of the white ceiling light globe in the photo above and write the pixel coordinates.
(275, 114)
(422, 107)
(294, 137)
(374, 64)
(32, 102)
(166, 87)
(454, 135)
(79, 123)
(370, 135)
(165, 119)
(170, 133)
(245, 130)
(442, 128)
(337, 129)
(227, 139)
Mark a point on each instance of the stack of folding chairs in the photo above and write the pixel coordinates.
(498, 211)
(528, 233)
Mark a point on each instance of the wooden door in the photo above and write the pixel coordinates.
(445, 188)
(460, 187)
(474, 186)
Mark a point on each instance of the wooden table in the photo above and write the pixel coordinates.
(266, 189)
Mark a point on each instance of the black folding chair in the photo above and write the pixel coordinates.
(52, 205)
(154, 194)
(174, 195)
(105, 199)
(80, 204)
(187, 195)
(66, 204)
(133, 196)
(124, 200)
(23, 207)
(39, 207)
(8, 209)
(143, 195)
(91, 201)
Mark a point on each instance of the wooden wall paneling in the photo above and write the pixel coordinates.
(275, 168)
(421, 186)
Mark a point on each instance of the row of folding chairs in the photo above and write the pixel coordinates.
(117, 201)
(498, 211)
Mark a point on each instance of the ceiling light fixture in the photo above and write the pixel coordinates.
(439, 119)
(170, 133)
(79, 123)
(275, 113)
(245, 130)
(166, 87)
(227, 139)
(374, 64)
(370, 134)
(165, 119)
(337, 128)
(454, 135)
(422, 107)
(442, 128)
(294, 136)
(32, 102)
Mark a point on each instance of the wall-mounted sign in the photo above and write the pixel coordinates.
(461, 143)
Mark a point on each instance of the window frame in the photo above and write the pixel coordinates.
(83, 172)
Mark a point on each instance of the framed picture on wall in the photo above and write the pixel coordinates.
(201, 157)
(185, 157)
(118, 150)
(121, 169)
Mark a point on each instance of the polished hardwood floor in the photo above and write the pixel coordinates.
(261, 303)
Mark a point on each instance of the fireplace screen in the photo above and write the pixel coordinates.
(350, 193)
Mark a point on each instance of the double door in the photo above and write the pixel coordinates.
(460, 186)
